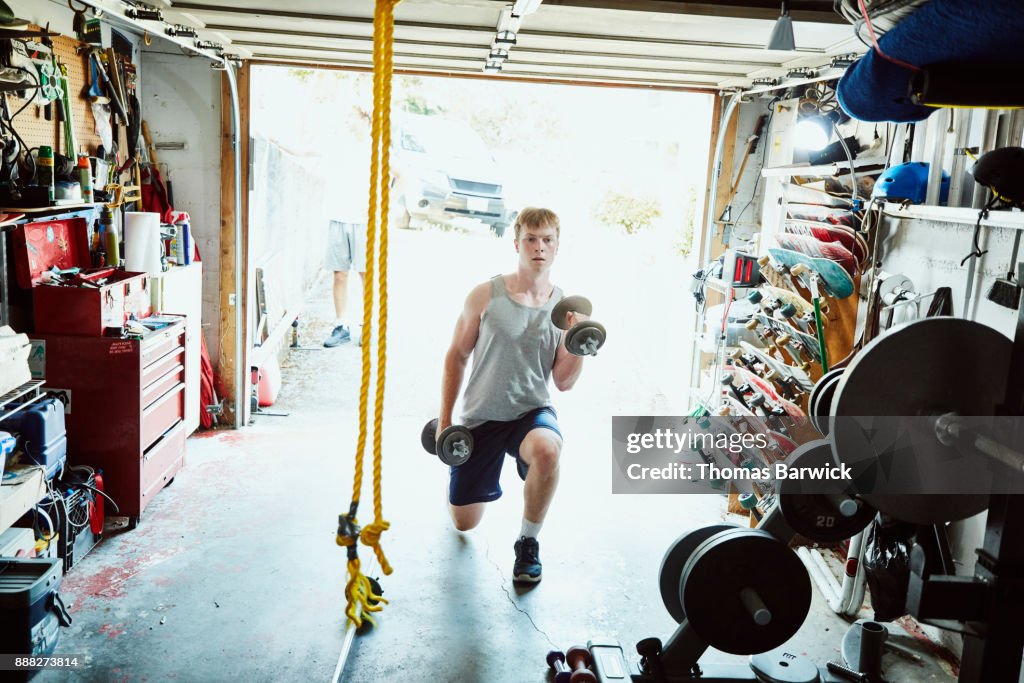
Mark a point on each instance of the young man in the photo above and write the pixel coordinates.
(506, 326)
(346, 247)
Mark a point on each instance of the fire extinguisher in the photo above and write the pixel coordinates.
(96, 507)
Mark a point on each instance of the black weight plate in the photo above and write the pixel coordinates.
(427, 437)
(927, 367)
(671, 572)
(580, 304)
(782, 666)
(820, 400)
(579, 334)
(816, 515)
(449, 450)
(725, 564)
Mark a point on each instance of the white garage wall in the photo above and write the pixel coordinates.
(181, 102)
(746, 205)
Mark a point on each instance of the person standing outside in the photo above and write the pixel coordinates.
(346, 251)
(346, 231)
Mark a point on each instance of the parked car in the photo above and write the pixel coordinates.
(444, 170)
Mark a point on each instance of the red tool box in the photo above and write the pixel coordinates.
(125, 407)
(86, 309)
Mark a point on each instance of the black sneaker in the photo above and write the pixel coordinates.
(339, 335)
(527, 566)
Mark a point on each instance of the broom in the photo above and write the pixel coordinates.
(1006, 292)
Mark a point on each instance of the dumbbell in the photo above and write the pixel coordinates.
(453, 446)
(579, 661)
(556, 660)
(585, 337)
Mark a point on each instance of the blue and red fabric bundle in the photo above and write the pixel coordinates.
(972, 36)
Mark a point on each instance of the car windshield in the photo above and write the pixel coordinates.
(441, 137)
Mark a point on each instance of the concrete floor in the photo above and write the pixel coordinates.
(233, 573)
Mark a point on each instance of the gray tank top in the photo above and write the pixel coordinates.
(512, 359)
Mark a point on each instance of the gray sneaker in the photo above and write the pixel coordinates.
(339, 335)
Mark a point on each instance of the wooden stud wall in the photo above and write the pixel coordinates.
(226, 364)
(36, 130)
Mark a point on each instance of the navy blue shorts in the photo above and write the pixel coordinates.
(478, 480)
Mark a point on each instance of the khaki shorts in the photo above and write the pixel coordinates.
(346, 247)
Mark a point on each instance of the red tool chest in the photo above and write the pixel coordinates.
(126, 407)
(64, 243)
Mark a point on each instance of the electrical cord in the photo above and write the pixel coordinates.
(102, 493)
(822, 97)
(889, 11)
(719, 348)
(853, 173)
(38, 85)
(874, 41)
(982, 214)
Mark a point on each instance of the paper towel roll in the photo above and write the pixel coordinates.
(142, 246)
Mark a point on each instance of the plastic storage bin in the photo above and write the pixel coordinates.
(31, 610)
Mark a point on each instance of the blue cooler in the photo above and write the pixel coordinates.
(41, 433)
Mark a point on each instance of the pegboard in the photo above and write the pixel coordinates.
(33, 127)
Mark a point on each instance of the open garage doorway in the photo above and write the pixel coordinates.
(625, 170)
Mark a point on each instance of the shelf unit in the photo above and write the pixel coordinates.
(74, 206)
(17, 499)
(953, 214)
(824, 170)
(20, 398)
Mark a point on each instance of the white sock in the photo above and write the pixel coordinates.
(338, 322)
(530, 529)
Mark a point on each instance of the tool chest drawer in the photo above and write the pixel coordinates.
(159, 385)
(158, 344)
(158, 416)
(162, 461)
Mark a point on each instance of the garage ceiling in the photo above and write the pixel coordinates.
(663, 43)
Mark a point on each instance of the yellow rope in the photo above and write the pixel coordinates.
(359, 591)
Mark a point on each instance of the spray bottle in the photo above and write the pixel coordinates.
(85, 178)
